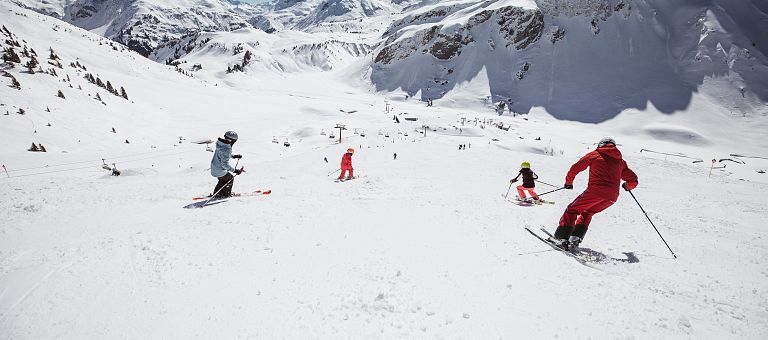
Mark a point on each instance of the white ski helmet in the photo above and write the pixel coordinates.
(606, 140)
(231, 135)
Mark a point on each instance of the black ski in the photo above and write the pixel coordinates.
(575, 256)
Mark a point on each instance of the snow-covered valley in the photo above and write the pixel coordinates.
(421, 246)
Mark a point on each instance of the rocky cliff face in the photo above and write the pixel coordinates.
(518, 28)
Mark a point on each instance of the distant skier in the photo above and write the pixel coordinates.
(220, 167)
(529, 182)
(346, 164)
(394, 156)
(325, 159)
(606, 170)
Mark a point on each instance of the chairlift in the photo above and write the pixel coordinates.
(331, 136)
(322, 132)
(286, 144)
(274, 140)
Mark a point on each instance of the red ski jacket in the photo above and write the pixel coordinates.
(606, 170)
(346, 161)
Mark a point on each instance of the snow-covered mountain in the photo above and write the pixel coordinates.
(142, 25)
(582, 58)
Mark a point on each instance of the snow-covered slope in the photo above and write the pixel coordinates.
(422, 246)
(582, 60)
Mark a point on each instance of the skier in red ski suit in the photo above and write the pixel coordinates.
(346, 164)
(606, 170)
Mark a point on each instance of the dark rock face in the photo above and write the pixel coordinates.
(518, 27)
(449, 46)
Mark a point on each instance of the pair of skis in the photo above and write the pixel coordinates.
(245, 194)
(207, 200)
(575, 254)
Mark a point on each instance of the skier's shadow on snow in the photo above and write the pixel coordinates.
(203, 204)
(596, 256)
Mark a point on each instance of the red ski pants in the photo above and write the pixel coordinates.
(580, 211)
(521, 192)
(344, 171)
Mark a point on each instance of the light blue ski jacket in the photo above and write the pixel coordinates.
(220, 162)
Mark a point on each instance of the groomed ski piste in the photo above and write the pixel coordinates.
(422, 246)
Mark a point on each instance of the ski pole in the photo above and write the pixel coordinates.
(510, 188)
(6, 171)
(549, 192)
(654, 226)
(334, 171)
(220, 189)
(554, 186)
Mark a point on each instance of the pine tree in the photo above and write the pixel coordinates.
(33, 148)
(123, 93)
(246, 58)
(15, 83)
(61, 95)
(10, 56)
(31, 64)
(109, 87)
(98, 97)
(53, 55)
(99, 83)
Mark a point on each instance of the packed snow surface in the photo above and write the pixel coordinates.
(421, 246)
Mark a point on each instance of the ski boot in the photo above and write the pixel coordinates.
(577, 236)
(573, 243)
(561, 236)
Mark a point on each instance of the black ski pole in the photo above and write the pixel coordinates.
(654, 226)
(220, 189)
(510, 188)
(549, 192)
(554, 186)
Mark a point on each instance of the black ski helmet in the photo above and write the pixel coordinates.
(231, 135)
(606, 140)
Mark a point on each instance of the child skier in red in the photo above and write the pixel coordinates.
(529, 178)
(346, 164)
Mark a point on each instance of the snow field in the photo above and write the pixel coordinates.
(418, 247)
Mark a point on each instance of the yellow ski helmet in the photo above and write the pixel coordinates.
(525, 165)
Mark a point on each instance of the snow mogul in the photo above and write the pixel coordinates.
(220, 167)
(606, 170)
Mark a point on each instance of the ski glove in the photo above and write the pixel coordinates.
(512, 181)
(568, 186)
(237, 156)
(624, 185)
(239, 171)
